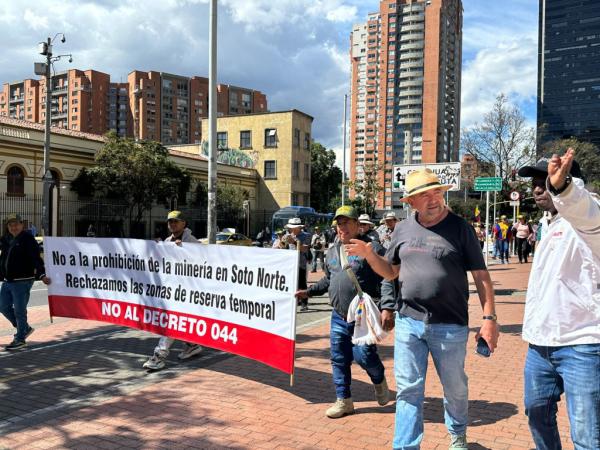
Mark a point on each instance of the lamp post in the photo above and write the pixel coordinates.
(344, 153)
(212, 125)
(45, 49)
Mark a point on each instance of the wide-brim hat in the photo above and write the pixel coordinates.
(422, 181)
(390, 216)
(294, 222)
(541, 168)
(364, 218)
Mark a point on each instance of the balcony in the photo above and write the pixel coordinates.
(411, 37)
(412, 64)
(413, 27)
(412, 46)
(60, 90)
(17, 99)
(410, 55)
(412, 101)
(410, 83)
(410, 74)
(409, 120)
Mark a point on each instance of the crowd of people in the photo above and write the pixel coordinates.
(416, 271)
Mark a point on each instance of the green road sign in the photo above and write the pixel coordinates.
(488, 184)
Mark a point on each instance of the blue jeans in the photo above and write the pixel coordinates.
(343, 352)
(413, 342)
(502, 249)
(14, 296)
(574, 370)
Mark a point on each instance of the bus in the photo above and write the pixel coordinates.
(309, 217)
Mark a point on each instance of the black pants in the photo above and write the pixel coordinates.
(302, 284)
(522, 250)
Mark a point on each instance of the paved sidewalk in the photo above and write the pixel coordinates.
(80, 386)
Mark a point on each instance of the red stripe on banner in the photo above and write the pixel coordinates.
(273, 350)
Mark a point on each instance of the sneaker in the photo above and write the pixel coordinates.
(458, 442)
(382, 393)
(29, 331)
(15, 345)
(303, 308)
(156, 362)
(189, 350)
(341, 408)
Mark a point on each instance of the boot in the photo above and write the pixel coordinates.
(382, 393)
(341, 408)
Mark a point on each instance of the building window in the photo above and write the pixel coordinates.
(306, 171)
(295, 199)
(307, 141)
(296, 170)
(221, 139)
(15, 178)
(270, 170)
(245, 139)
(297, 137)
(270, 137)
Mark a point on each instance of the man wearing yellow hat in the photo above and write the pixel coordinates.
(179, 233)
(344, 276)
(430, 255)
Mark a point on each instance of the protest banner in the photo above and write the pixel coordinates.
(236, 299)
(448, 173)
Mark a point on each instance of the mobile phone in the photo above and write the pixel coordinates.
(482, 348)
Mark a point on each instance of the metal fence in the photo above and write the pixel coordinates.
(110, 218)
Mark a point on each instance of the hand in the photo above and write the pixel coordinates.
(387, 319)
(46, 280)
(302, 293)
(356, 247)
(559, 167)
(178, 242)
(490, 332)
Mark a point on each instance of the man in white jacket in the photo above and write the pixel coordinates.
(562, 310)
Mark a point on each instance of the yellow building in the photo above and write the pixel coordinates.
(21, 171)
(278, 144)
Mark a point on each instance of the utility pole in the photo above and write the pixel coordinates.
(344, 154)
(212, 125)
(45, 49)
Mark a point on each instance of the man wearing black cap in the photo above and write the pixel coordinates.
(562, 310)
(20, 265)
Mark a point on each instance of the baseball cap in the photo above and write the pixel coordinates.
(541, 168)
(14, 218)
(346, 211)
(176, 215)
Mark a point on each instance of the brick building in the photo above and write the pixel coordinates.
(150, 105)
(405, 99)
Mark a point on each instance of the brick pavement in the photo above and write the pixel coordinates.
(224, 401)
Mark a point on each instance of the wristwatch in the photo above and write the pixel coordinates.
(554, 191)
(492, 317)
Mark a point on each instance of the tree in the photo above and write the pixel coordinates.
(586, 154)
(366, 189)
(503, 139)
(325, 179)
(140, 174)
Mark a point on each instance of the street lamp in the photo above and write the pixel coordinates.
(45, 49)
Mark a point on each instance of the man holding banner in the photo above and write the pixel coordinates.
(342, 288)
(179, 233)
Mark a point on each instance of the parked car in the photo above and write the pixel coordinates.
(227, 238)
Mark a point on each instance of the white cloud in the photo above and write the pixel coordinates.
(343, 13)
(508, 68)
(34, 21)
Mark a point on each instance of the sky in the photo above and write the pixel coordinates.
(295, 51)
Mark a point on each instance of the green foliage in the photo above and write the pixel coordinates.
(83, 184)
(366, 190)
(325, 179)
(586, 154)
(140, 174)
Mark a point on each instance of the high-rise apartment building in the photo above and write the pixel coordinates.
(150, 105)
(569, 71)
(405, 99)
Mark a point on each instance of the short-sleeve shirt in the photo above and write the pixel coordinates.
(433, 268)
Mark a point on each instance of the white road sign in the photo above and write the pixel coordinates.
(514, 196)
(448, 173)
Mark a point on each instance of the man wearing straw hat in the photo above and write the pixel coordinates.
(430, 255)
(365, 227)
(299, 240)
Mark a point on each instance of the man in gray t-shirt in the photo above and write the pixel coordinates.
(429, 255)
